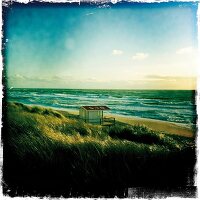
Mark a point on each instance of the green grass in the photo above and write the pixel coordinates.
(49, 151)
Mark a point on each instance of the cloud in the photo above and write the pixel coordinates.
(140, 56)
(168, 78)
(55, 78)
(117, 52)
(19, 76)
(185, 50)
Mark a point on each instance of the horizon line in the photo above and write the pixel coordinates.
(92, 88)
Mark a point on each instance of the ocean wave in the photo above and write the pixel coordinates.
(174, 106)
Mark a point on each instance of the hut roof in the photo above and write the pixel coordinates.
(96, 107)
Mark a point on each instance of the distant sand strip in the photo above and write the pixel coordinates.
(156, 125)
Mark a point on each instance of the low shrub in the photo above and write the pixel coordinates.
(138, 133)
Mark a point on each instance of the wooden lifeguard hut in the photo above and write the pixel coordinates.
(94, 115)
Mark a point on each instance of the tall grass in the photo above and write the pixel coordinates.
(48, 153)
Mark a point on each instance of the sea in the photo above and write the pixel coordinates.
(178, 106)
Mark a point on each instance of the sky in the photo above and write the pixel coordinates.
(119, 46)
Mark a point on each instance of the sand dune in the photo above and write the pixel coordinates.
(158, 125)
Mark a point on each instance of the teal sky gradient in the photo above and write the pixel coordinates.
(133, 46)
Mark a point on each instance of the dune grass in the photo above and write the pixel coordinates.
(49, 153)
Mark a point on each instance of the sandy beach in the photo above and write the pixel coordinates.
(157, 125)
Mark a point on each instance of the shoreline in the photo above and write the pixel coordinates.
(157, 125)
(154, 124)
